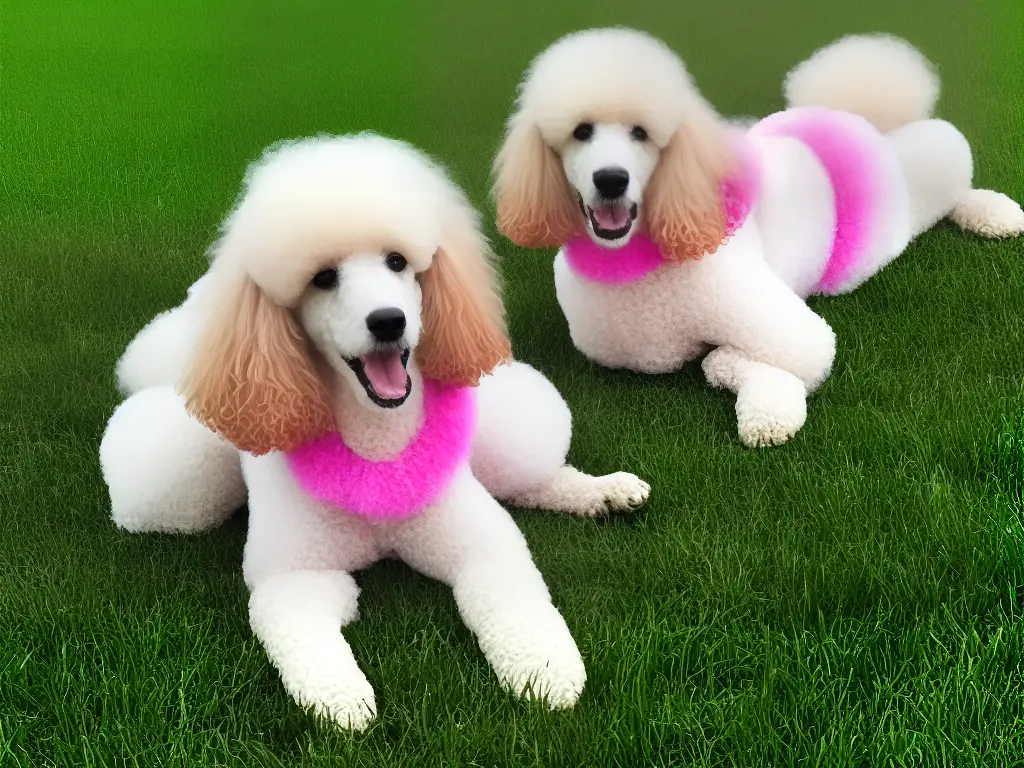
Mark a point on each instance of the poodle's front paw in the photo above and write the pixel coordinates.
(348, 702)
(557, 681)
(770, 408)
(989, 214)
(624, 492)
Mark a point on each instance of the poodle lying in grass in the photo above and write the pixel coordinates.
(681, 232)
(329, 359)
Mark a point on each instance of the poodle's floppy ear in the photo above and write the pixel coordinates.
(683, 200)
(463, 317)
(251, 378)
(536, 207)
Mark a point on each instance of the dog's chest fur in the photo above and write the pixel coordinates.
(654, 324)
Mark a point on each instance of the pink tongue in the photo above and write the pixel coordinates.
(386, 374)
(611, 216)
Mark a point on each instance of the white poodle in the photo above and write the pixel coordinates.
(681, 232)
(327, 364)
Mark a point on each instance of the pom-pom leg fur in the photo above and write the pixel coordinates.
(166, 472)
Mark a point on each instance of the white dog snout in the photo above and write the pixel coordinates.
(610, 164)
(370, 304)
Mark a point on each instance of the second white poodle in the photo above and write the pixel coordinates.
(681, 232)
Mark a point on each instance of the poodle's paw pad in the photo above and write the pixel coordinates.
(771, 409)
(623, 492)
(350, 704)
(989, 214)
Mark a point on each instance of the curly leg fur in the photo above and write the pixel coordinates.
(297, 617)
(771, 404)
(472, 544)
(577, 493)
(989, 214)
(937, 164)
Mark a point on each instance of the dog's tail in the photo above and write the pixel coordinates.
(883, 79)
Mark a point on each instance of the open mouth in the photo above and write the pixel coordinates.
(610, 221)
(383, 376)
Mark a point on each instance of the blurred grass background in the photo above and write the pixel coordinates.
(853, 598)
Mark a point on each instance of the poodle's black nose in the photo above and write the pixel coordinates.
(386, 324)
(611, 182)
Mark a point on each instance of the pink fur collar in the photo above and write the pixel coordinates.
(331, 472)
(641, 255)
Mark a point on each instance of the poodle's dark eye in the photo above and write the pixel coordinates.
(396, 262)
(638, 133)
(583, 132)
(325, 279)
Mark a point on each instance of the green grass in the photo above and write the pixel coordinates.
(853, 598)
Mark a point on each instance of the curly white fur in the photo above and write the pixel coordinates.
(771, 403)
(157, 354)
(167, 472)
(517, 406)
(642, 74)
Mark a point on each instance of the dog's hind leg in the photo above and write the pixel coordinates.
(937, 164)
(575, 492)
(989, 213)
(165, 471)
(892, 85)
(523, 433)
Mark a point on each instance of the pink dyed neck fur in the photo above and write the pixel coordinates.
(405, 484)
(641, 255)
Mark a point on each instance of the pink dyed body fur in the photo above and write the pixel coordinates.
(331, 472)
(853, 154)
